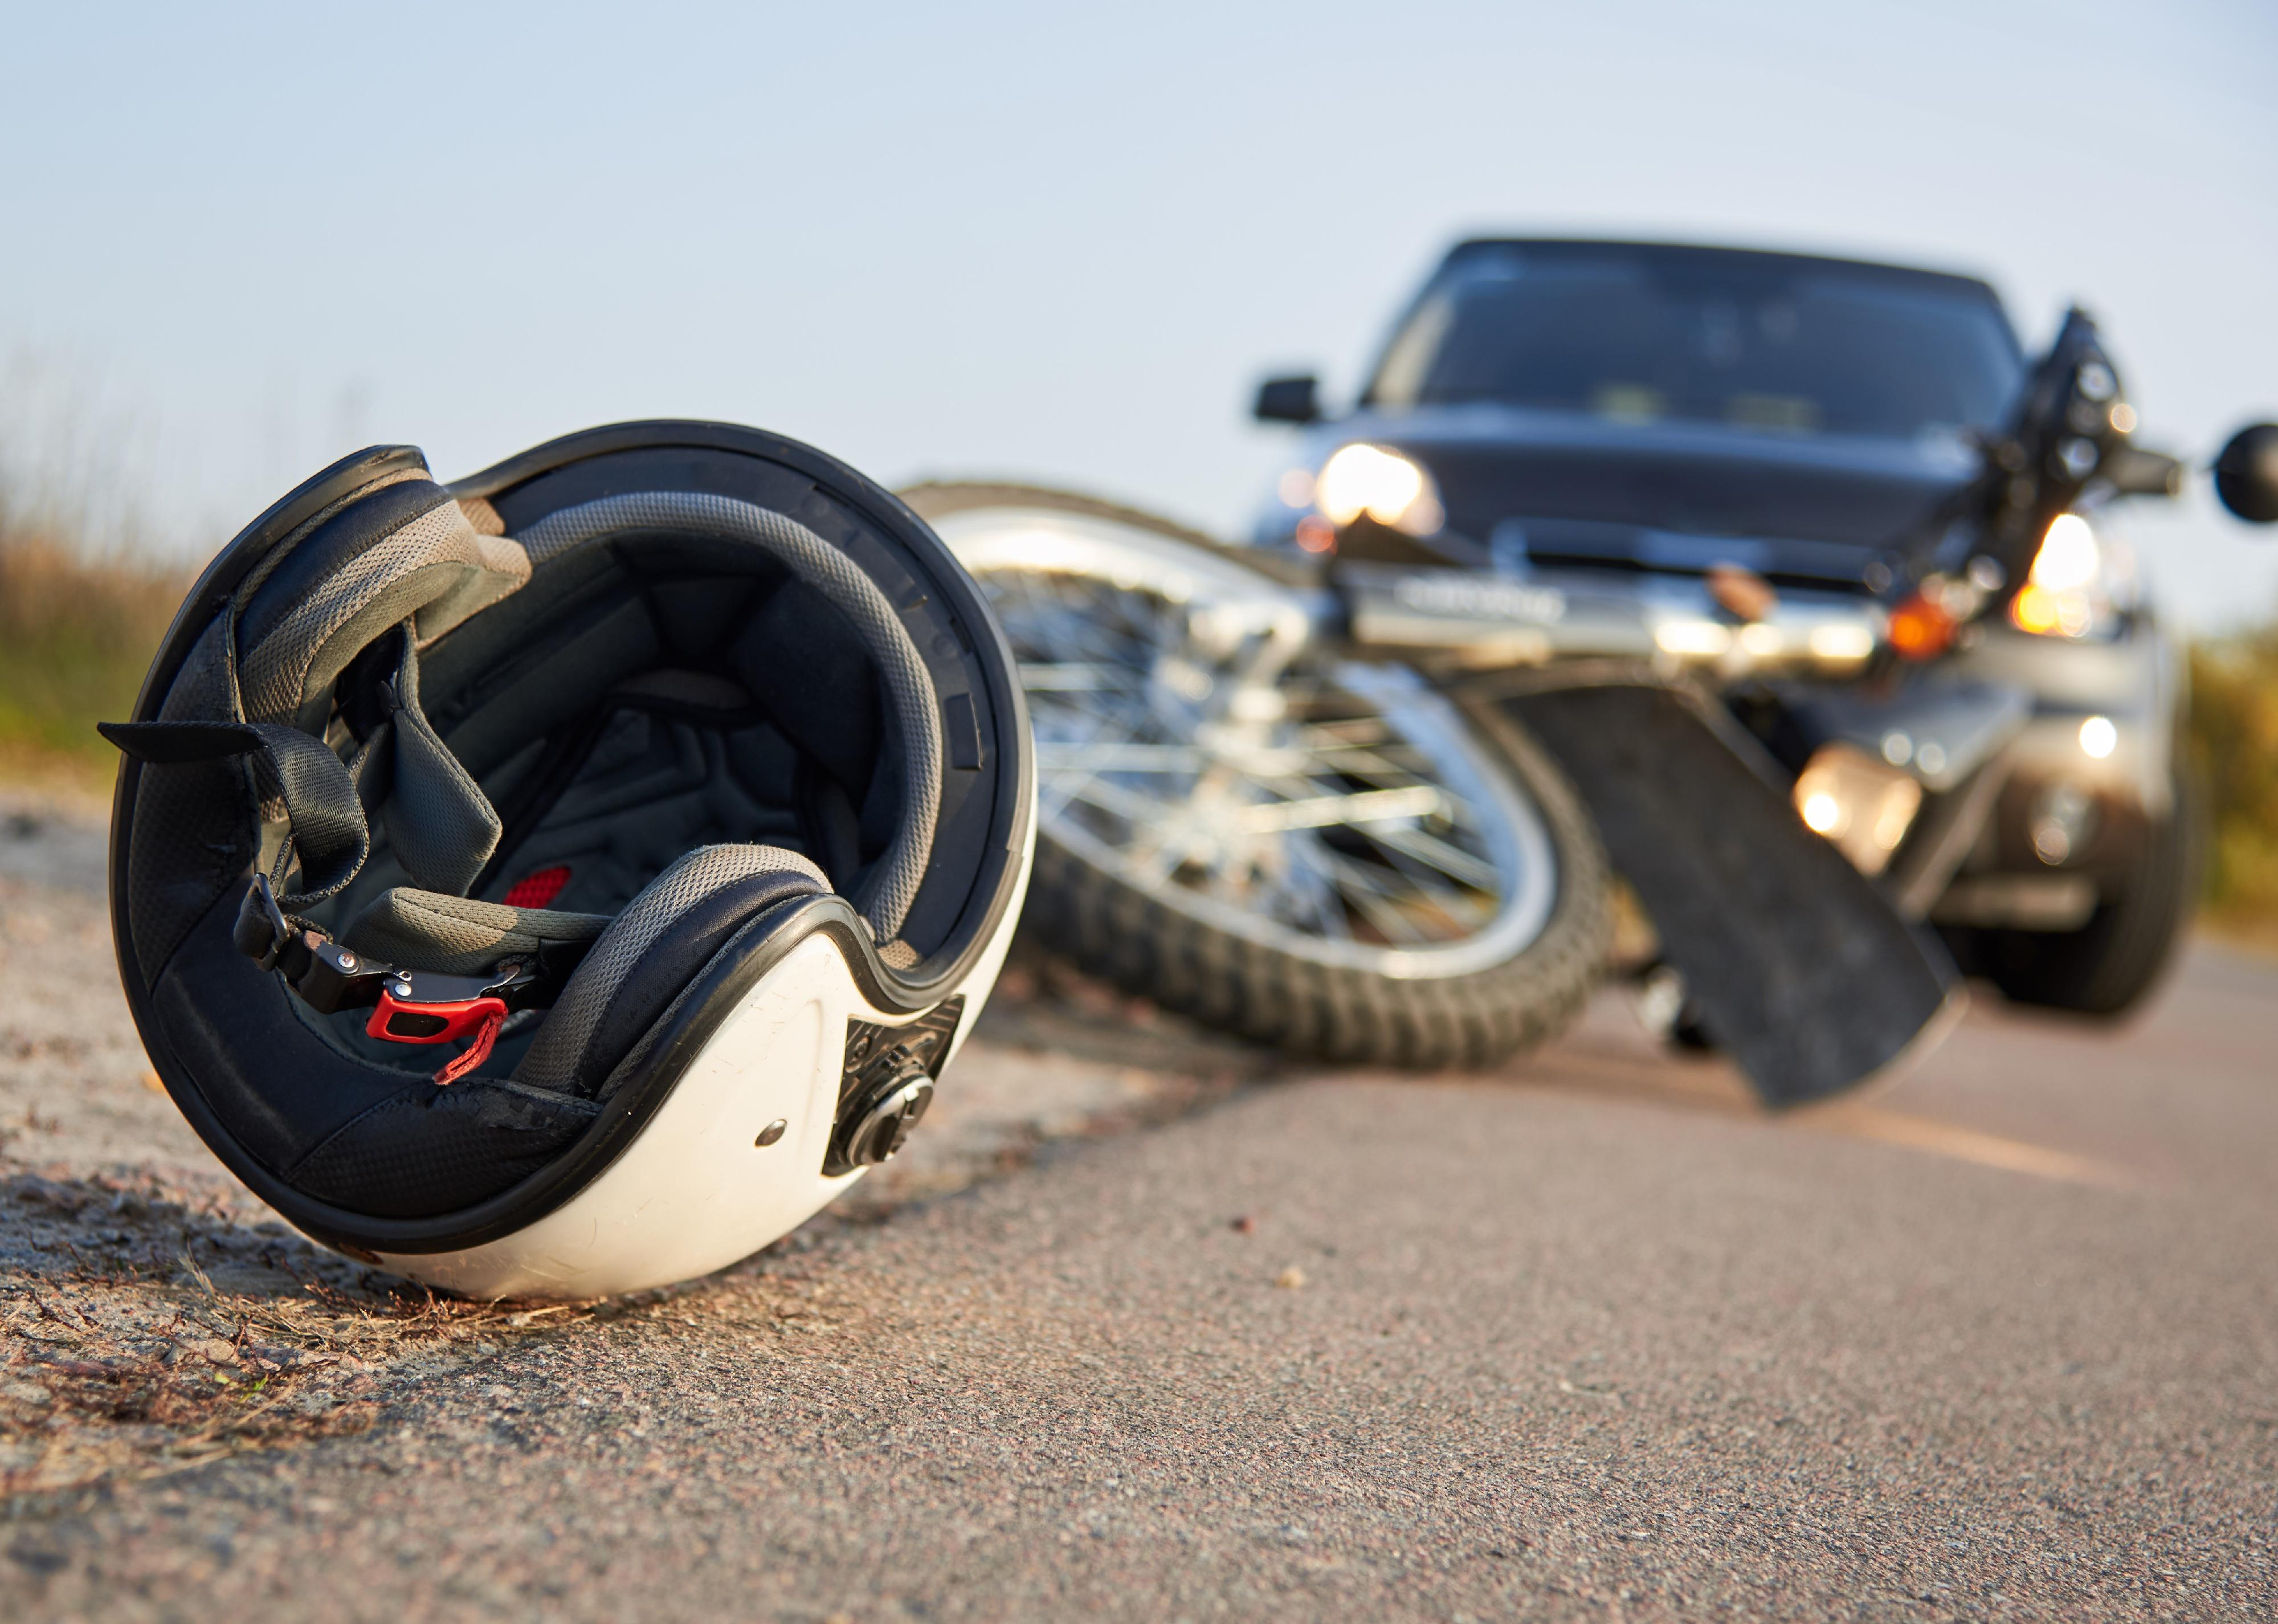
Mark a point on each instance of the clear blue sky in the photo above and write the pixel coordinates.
(1055, 241)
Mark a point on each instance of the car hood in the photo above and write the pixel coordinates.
(1496, 465)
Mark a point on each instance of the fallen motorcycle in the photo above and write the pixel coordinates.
(1785, 587)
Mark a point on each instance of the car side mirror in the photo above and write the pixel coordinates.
(2246, 474)
(1288, 400)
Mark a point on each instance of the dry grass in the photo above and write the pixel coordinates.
(2234, 749)
(75, 637)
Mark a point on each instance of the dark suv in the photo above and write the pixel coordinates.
(1781, 478)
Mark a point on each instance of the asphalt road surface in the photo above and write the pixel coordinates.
(1588, 1338)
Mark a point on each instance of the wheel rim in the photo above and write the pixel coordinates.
(1337, 812)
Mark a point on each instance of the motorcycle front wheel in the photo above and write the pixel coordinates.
(1316, 853)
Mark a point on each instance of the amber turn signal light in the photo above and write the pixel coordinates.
(1921, 629)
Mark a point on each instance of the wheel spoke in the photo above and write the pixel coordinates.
(1361, 889)
(1321, 811)
(1460, 865)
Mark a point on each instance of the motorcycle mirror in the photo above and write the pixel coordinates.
(2246, 473)
(1288, 400)
(2136, 472)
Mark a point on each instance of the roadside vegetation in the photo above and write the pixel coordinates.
(2235, 747)
(78, 627)
(76, 633)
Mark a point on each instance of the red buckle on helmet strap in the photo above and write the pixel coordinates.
(480, 1018)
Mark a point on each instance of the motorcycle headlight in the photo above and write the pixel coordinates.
(1390, 489)
(2065, 593)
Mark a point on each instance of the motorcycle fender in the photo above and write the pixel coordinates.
(1804, 971)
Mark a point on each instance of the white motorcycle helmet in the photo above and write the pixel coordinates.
(566, 882)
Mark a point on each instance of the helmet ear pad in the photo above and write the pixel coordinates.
(649, 954)
(406, 551)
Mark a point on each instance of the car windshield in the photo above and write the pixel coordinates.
(1762, 342)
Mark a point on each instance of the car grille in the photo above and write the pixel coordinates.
(1585, 544)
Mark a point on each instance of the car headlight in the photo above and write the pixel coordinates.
(1390, 489)
(2065, 594)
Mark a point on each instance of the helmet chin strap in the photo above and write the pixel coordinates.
(330, 837)
(332, 840)
(440, 826)
(443, 830)
(408, 1005)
